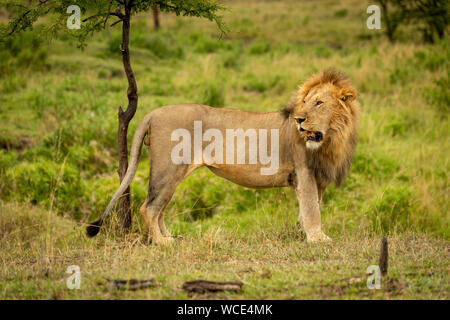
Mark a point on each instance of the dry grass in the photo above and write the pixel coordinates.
(37, 247)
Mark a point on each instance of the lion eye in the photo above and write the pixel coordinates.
(318, 103)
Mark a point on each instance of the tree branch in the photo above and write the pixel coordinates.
(16, 24)
(113, 24)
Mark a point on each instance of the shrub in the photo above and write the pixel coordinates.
(213, 94)
(12, 83)
(322, 51)
(400, 75)
(114, 44)
(7, 159)
(260, 84)
(207, 45)
(48, 183)
(341, 13)
(401, 124)
(232, 59)
(23, 51)
(161, 46)
(374, 165)
(38, 102)
(259, 47)
(439, 95)
(391, 210)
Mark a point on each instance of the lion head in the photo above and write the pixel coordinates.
(325, 113)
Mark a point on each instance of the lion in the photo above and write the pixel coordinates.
(317, 135)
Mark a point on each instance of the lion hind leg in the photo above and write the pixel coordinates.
(151, 212)
(161, 188)
(162, 225)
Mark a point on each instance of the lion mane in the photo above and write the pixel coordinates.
(333, 160)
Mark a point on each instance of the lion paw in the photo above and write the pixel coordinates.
(163, 240)
(317, 236)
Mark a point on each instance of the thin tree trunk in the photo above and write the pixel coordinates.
(389, 27)
(155, 11)
(124, 120)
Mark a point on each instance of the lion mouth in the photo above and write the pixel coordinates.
(316, 136)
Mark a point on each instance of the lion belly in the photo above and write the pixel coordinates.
(249, 176)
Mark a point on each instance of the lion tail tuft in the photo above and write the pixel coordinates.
(93, 228)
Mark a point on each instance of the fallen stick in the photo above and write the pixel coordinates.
(202, 286)
(132, 284)
(384, 256)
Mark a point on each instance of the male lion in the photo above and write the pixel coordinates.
(317, 138)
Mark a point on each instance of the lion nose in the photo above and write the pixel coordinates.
(300, 120)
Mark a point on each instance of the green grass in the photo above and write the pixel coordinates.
(58, 158)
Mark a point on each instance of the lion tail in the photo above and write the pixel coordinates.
(143, 128)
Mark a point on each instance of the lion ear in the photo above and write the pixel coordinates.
(293, 102)
(347, 94)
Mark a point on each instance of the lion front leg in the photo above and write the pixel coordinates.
(320, 191)
(308, 198)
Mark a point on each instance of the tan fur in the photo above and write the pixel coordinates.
(307, 171)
